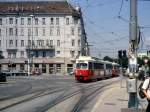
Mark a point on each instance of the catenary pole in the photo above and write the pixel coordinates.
(132, 81)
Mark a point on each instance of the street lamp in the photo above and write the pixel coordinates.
(30, 48)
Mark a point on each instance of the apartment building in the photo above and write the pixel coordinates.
(41, 35)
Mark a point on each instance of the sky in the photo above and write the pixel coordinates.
(107, 25)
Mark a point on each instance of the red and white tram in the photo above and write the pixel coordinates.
(88, 68)
(115, 69)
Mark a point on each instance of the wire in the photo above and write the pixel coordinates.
(119, 13)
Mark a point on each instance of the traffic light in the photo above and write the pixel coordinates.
(120, 54)
(124, 53)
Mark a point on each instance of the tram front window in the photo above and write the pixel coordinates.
(81, 66)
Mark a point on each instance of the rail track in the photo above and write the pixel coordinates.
(92, 88)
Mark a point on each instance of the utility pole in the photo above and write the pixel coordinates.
(132, 81)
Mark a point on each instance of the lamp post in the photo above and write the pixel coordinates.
(30, 58)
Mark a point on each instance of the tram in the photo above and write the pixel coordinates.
(89, 68)
(115, 69)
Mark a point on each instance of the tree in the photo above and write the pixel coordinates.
(107, 58)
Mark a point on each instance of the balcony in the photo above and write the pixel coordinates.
(40, 47)
(12, 48)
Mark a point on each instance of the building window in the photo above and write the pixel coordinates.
(51, 42)
(40, 42)
(57, 21)
(14, 55)
(16, 21)
(10, 31)
(10, 43)
(79, 42)
(79, 53)
(22, 32)
(9, 55)
(0, 32)
(22, 21)
(72, 31)
(36, 54)
(43, 68)
(58, 31)
(1, 21)
(22, 67)
(29, 43)
(29, 32)
(52, 21)
(22, 43)
(72, 53)
(51, 68)
(79, 31)
(10, 20)
(22, 54)
(58, 42)
(75, 21)
(43, 31)
(16, 33)
(36, 32)
(73, 42)
(16, 43)
(67, 21)
(43, 21)
(29, 21)
(58, 52)
(44, 54)
(36, 21)
(58, 68)
(51, 31)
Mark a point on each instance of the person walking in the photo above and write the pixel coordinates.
(146, 90)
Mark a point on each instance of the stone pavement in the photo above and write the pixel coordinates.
(115, 99)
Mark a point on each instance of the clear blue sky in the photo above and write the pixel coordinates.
(105, 31)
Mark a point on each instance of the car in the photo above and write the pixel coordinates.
(2, 77)
(71, 73)
(6, 72)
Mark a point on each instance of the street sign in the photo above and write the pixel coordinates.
(133, 61)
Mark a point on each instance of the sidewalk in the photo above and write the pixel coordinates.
(115, 99)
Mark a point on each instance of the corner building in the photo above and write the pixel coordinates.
(47, 36)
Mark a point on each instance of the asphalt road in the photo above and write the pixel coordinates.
(50, 94)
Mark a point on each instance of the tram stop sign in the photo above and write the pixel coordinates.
(133, 61)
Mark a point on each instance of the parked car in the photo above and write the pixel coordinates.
(2, 77)
(6, 72)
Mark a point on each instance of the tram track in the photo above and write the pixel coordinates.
(87, 98)
(62, 97)
(77, 107)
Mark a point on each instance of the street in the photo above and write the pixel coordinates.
(50, 94)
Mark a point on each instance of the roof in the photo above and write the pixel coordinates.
(36, 7)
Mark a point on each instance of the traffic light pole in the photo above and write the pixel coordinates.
(132, 81)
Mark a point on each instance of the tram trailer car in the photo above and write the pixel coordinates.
(88, 68)
(115, 69)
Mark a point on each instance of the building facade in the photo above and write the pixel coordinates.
(44, 36)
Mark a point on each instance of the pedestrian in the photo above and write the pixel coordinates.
(146, 90)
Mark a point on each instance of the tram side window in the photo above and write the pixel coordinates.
(101, 66)
(90, 65)
(98, 66)
(108, 66)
